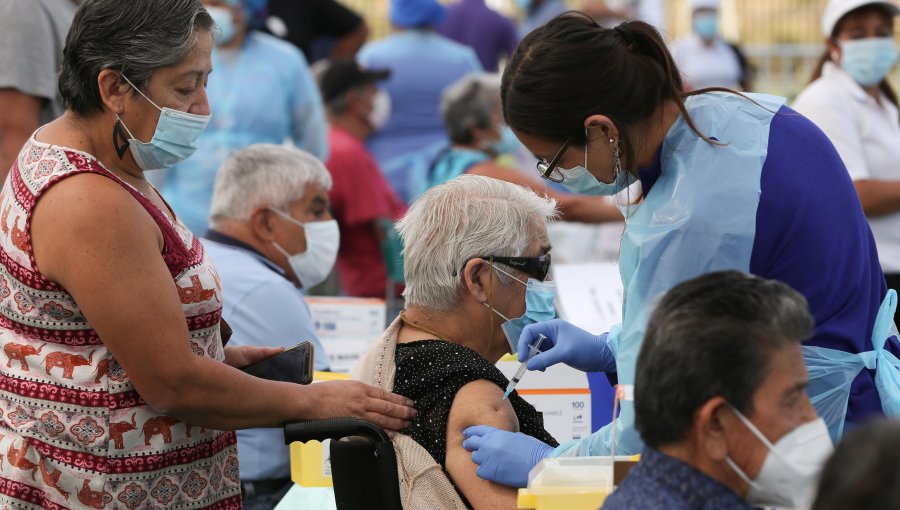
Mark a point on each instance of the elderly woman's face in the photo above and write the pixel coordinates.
(509, 299)
(180, 87)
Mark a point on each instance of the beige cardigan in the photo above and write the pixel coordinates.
(423, 484)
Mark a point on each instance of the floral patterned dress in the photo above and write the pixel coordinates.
(74, 433)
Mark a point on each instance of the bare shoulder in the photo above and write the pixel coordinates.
(89, 209)
(478, 403)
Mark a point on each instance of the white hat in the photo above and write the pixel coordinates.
(836, 9)
(705, 4)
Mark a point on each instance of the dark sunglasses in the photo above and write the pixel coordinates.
(536, 267)
(550, 171)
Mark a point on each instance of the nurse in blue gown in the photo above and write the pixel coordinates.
(728, 181)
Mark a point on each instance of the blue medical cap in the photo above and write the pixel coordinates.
(257, 12)
(417, 13)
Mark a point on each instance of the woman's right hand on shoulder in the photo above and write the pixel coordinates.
(339, 399)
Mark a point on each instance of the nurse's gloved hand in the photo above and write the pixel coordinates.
(504, 457)
(567, 344)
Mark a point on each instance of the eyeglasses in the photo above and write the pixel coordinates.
(550, 171)
(536, 267)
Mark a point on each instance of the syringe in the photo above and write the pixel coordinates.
(532, 350)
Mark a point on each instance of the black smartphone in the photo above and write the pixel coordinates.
(294, 365)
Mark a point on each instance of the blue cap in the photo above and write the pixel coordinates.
(417, 13)
(257, 12)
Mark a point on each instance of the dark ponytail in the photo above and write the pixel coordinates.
(572, 68)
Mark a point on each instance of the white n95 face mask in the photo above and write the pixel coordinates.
(323, 238)
(381, 110)
(790, 473)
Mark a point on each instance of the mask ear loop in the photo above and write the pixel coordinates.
(490, 335)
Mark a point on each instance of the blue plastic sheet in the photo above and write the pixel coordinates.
(831, 372)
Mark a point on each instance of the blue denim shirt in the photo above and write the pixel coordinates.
(660, 482)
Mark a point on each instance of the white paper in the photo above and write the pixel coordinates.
(589, 295)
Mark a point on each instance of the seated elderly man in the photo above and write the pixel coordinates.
(472, 117)
(271, 232)
(476, 250)
(720, 401)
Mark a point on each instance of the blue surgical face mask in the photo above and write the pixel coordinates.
(225, 23)
(706, 25)
(868, 60)
(176, 138)
(507, 144)
(539, 298)
(579, 180)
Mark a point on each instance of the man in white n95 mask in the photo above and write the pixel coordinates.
(720, 401)
(271, 232)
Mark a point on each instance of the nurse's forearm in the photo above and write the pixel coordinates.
(586, 209)
(878, 198)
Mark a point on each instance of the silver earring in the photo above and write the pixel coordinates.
(618, 161)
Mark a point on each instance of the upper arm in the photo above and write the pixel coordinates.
(19, 118)
(478, 403)
(20, 112)
(92, 238)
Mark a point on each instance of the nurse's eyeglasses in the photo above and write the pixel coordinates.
(550, 171)
(536, 267)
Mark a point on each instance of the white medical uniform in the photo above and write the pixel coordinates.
(866, 134)
(707, 66)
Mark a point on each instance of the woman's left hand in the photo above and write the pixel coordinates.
(240, 356)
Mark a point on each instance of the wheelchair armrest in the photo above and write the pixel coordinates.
(332, 428)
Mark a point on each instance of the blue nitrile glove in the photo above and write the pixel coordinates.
(567, 344)
(504, 457)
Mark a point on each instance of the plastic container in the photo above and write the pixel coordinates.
(571, 483)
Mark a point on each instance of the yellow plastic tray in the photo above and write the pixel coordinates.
(568, 498)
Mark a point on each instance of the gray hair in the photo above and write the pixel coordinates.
(264, 175)
(135, 38)
(467, 217)
(715, 335)
(468, 104)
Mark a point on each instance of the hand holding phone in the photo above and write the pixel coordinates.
(294, 365)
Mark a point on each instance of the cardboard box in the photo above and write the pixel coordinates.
(561, 393)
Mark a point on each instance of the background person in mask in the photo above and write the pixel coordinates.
(864, 472)
(720, 402)
(475, 252)
(423, 63)
(271, 233)
(472, 115)
(262, 92)
(361, 199)
(133, 396)
(707, 60)
(851, 100)
(725, 184)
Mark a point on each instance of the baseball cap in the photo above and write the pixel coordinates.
(836, 9)
(343, 74)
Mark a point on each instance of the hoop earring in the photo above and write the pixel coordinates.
(120, 138)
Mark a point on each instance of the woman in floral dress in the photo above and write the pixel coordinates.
(116, 388)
